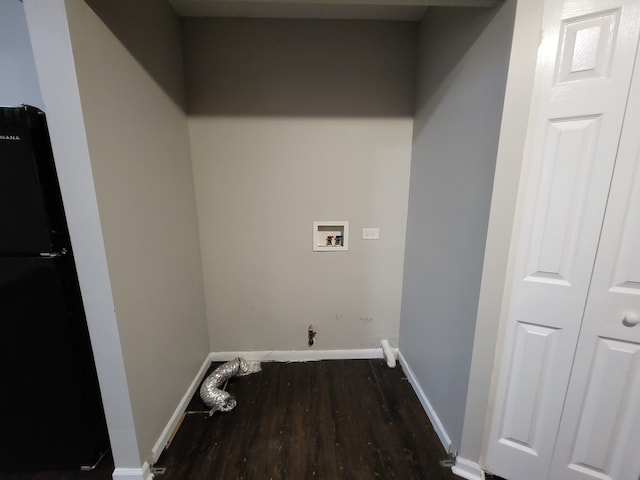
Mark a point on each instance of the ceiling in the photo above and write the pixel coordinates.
(411, 10)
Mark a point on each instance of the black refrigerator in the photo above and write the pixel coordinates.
(51, 413)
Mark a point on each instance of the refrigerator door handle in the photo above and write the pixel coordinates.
(61, 253)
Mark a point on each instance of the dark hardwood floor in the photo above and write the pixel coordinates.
(355, 419)
(333, 420)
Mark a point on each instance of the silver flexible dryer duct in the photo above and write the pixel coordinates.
(212, 395)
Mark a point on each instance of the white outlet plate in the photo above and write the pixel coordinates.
(370, 233)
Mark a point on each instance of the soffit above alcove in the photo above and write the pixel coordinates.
(401, 10)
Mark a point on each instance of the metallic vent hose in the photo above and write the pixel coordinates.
(212, 395)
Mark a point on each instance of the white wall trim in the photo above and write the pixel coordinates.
(299, 355)
(426, 404)
(143, 473)
(165, 436)
(467, 469)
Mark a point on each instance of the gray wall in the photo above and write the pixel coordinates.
(18, 78)
(293, 121)
(140, 156)
(148, 320)
(515, 118)
(463, 60)
(150, 32)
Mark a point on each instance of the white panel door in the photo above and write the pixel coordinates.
(599, 436)
(583, 74)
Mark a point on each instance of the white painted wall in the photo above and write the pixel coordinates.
(18, 77)
(143, 286)
(291, 122)
(463, 62)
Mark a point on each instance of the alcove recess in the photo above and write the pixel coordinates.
(330, 236)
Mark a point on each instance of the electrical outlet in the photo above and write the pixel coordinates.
(370, 233)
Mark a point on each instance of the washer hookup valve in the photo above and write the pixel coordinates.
(312, 335)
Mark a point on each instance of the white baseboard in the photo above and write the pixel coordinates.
(467, 469)
(431, 413)
(299, 355)
(143, 473)
(165, 436)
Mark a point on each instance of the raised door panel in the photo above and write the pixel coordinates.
(566, 169)
(600, 430)
(531, 368)
(602, 444)
(587, 46)
(584, 70)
